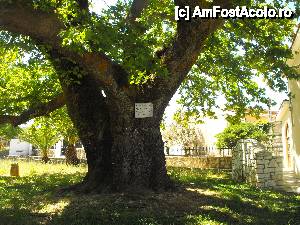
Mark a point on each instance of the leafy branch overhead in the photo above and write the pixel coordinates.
(141, 37)
(236, 57)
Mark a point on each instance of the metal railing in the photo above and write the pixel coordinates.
(201, 151)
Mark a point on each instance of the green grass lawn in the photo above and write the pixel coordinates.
(207, 197)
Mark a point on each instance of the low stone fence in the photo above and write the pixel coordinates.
(210, 162)
(254, 164)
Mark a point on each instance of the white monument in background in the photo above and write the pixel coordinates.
(18, 147)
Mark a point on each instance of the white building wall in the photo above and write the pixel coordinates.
(211, 127)
(287, 128)
(294, 88)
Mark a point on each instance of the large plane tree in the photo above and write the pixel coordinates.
(134, 52)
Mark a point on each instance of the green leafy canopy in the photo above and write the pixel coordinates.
(42, 134)
(231, 60)
(234, 59)
(26, 78)
(232, 134)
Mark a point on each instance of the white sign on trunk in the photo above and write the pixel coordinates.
(143, 110)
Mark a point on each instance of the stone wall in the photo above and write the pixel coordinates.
(199, 162)
(254, 164)
(268, 169)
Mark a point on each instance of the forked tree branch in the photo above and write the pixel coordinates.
(19, 16)
(190, 39)
(39, 110)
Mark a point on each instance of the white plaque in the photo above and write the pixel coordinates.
(143, 110)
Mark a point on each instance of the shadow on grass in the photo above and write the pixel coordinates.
(207, 198)
(22, 199)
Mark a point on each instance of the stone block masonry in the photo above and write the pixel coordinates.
(271, 175)
(254, 164)
(199, 162)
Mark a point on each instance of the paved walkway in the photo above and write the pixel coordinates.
(291, 182)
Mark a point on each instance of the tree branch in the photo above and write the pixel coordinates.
(44, 27)
(19, 17)
(40, 110)
(182, 54)
(136, 9)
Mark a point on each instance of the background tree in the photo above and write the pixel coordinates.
(136, 53)
(235, 132)
(41, 134)
(29, 83)
(27, 80)
(7, 132)
(184, 132)
(64, 125)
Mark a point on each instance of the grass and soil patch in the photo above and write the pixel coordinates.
(207, 197)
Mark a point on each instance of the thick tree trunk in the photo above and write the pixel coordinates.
(138, 159)
(127, 161)
(87, 109)
(123, 153)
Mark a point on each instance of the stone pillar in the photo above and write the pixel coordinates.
(237, 162)
(251, 162)
(268, 169)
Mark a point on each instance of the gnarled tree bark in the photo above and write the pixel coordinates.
(123, 153)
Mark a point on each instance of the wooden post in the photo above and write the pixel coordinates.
(14, 170)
